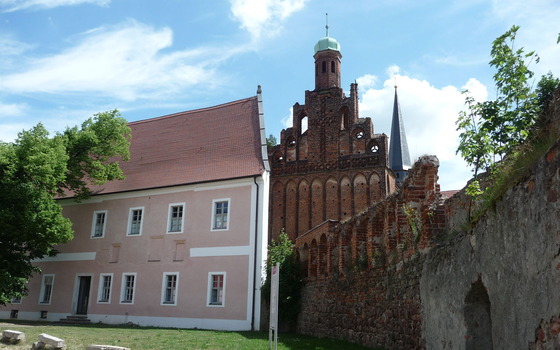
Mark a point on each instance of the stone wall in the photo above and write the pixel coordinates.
(513, 253)
(429, 280)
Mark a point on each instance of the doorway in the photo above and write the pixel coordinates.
(83, 295)
(477, 313)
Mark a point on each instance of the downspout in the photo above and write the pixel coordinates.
(255, 255)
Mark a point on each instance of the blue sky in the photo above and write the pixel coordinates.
(63, 60)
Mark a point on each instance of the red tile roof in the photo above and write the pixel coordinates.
(209, 144)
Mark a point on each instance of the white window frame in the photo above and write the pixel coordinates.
(124, 288)
(44, 289)
(164, 288)
(170, 213)
(210, 287)
(15, 301)
(129, 226)
(94, 223)
(213, 222)
(102, 288)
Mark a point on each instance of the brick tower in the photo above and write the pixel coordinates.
(337, 166)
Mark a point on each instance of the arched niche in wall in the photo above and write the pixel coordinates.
(345, 198)
(313, 258)
(331, 196)
(303, 211)
(344, 114)
(291, 210)
(374, 187)
(316, 202)
(323, 255)
(478, 319)
(278, 207)
(360, 193)
(290, 146)
(304, 259)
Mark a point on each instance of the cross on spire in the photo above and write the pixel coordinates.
(327, 26)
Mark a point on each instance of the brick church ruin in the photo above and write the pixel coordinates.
(331, 165)
(388, 259)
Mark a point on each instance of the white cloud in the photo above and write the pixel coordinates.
(367, 81)
(477, 90)
(287, 121)
(264, 17)
(429, 115)
(11, 110)
(16, 5)
(124, 61)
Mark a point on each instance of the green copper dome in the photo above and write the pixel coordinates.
(327, 43)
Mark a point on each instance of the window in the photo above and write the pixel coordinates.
(169, 288)
(220, 217)
(105, 281)
(216, 288)
(98, 224)
(175, 221)
(135, 222)
(128, 284)
(16, 300)
(46, 289)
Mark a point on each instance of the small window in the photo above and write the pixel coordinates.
(135, 222)
(46, 289)
(169, 288)
(291, 142)
(332, 67)
(16, 300)
(324, 67)
(128, 285)
(216, 288)
(98, 224)
(373, 147)
(278, 157)
(175, 221)
(220, 214)
(105, 282)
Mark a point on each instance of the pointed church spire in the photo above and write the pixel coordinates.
(399, 157)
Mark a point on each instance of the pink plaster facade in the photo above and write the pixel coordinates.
(207, 273)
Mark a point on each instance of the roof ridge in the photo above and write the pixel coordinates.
(192, 111)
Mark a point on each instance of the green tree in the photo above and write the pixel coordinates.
(492, 129)
(33, 171)
(271, 141)
(290, 281)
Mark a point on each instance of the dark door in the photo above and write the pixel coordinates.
(83, 295)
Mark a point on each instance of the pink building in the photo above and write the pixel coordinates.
(181, 242)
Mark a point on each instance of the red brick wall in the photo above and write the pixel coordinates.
(363, 274)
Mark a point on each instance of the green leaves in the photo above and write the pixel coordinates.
(492, 129)
(36, 167)
(282, 251)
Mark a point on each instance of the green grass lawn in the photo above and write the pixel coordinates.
(138, 338)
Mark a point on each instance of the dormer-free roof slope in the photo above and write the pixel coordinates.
(209, 144)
